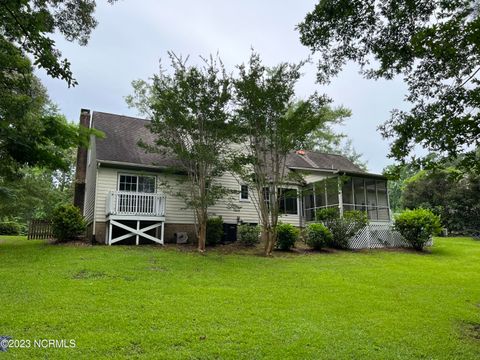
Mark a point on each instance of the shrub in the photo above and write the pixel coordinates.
(214, 230)
(67, 223)
(327, 214)
(360, 218)
(343, 229)
(417, 226)
(10, 228)
(287, 234)
(248, 234)
(318, 236)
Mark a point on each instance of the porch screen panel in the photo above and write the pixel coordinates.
(320, 198)
(347, 194)
(371, 199)
(383, 211)
(288, 201)
(308, 203)
(332, 192)
(359, 194)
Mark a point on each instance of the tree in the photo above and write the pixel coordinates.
(190, 114)
(432, 44)
(29, 24)
(35, 193)
(449, 192)
(272, 125)
(397, 174)
(326, 139)
(32, 132)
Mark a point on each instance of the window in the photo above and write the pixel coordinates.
(137, 183)
(288, 201)
(266, 196)
(244, 193)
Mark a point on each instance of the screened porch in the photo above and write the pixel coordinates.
(348, 193)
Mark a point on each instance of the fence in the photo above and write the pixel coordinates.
(40, 229)
(378, 236)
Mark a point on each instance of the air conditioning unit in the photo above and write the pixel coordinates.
(181, 237)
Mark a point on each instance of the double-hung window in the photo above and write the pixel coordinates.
(244, 193)
(137, 183)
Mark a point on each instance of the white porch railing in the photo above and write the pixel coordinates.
(135, 204)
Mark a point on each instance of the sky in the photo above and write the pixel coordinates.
(132, 37)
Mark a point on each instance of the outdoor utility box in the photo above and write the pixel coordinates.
(181, 237)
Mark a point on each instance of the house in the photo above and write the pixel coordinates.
(125, 199)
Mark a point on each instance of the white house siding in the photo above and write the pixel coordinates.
(107, 181)
(175, 212)
(90, 185)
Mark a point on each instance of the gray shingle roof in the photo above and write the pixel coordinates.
(122, 134)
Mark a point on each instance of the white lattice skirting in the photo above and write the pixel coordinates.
(378, 236)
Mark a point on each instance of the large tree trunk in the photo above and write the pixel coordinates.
(202, 233)
(269, 241)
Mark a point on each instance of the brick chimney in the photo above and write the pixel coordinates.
(81, 167)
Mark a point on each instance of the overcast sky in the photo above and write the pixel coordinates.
(132, 36)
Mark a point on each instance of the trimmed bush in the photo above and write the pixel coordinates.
(10, 228)
(417, 226)
(287, 235)
(214, 230)
(67, 223)
(248, 235)
(327, 214)
(318, 236)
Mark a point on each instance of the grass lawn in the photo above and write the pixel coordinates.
(151, 302)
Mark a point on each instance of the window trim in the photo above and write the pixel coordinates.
(240, 194)
(119, 174)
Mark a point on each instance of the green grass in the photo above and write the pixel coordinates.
(149, 302)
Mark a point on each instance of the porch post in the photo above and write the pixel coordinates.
(110, 232)
(340, 197)
(162, 232)
(137, 238)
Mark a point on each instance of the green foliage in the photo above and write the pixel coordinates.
(190, 112)
(326, 139)
(359, 218)
(30, 25)
(34, 193)
(214, 230)
(248, 235)
(318, 236)
(397, 174)
(272, 123)
(417, 226)
(449, 192)
(10, 228)
(32, 131)
(327, 214)
(342, 228)
(433, 45)
(67, 223)
(287, 235)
